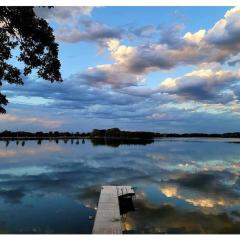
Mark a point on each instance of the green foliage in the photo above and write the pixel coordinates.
(113, 132)
(98, 133)
(117, 133)
(20, 27)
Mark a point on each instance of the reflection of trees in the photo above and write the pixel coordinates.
(116, 142)
(39, 142)
(23, 143)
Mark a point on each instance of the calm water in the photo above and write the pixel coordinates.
(182, 186)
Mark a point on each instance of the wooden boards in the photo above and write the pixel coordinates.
(108, 218)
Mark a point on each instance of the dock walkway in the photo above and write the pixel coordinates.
(108, 218)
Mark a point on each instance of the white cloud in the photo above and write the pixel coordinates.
(113, 75)
(195, 37)
(203, 84)
(226, 32)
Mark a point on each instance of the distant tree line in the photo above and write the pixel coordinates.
(117, 133)
(41, 135)
(112, 133)
(208, 135)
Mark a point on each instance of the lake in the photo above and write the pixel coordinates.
(182, 185)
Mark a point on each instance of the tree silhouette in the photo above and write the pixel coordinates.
(21, 29)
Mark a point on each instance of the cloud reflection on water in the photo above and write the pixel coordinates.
(167, 188)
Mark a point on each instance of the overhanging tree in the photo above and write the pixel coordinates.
(21, 28)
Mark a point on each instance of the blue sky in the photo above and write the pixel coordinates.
(166, 69)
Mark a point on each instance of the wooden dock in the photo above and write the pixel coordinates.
(108, 218)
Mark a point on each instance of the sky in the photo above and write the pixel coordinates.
(163, 69)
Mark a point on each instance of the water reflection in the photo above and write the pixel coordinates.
(182, 187)
(116, 142)
(167, 218)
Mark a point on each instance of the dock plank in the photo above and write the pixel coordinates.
(108, 219)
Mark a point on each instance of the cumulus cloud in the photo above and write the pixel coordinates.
(92, 31)
(158, 56)
(214, 45)
(218, 44)
(204, 84)
(74, 24)
(131, 63)
(112, 75)
(171, 36)
(139, 59)
(226, 32)
(202, 47)
(195, 37)
(118, 90)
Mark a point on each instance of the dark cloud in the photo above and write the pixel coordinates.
(110, 75)
(146, 58)
(172, 36)
(203, 85)
(79, 97)
(92, 31)
(226, 32)
(72, 93)
(143, 31)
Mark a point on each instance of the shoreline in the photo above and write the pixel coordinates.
(118, 138)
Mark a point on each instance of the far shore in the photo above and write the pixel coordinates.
(115, 138)
(112, 134)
